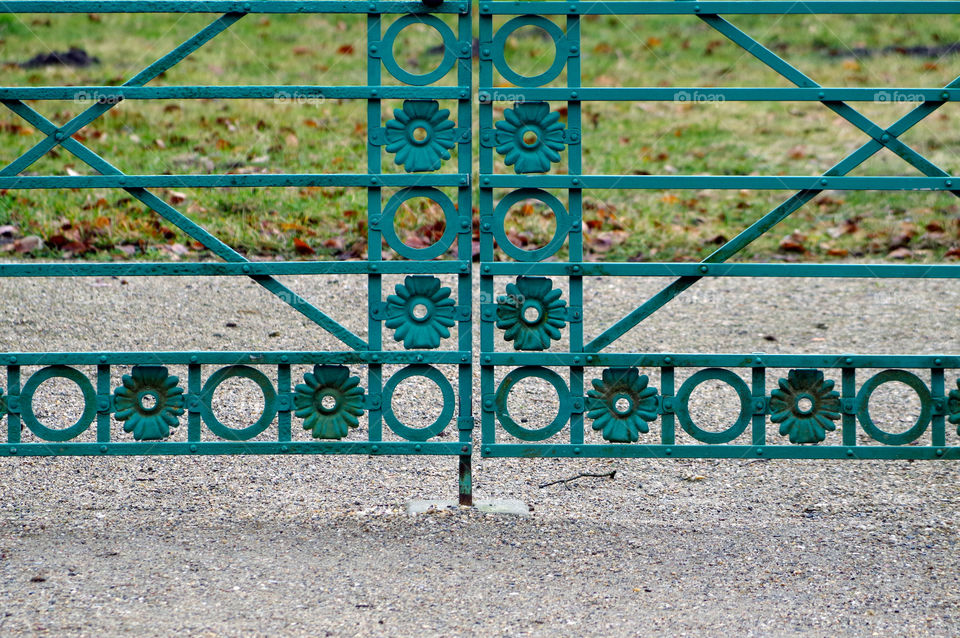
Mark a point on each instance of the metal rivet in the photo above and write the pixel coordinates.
(576, 359)
(465, 449)
(757, 360)
(823, 182)
(284, 448)
(103, 358)
(417, 447)
(419, 357)
(573, 95)
(575, 181)
(193, 448)
(576, 450)
(945, 95)
(704, 269)
(58, 136)
(13, 450)
(245, 268)
(589, 358)
(948, 182)
(575, 268)
(574, 49)
(103, 448)
(668, 359)
(759, 451)
(849, 451)
(884, 137)
(937, 362)
(375, 448)
(486, 450)
(486, 269)
(13, 359)
(488, 403)
(193, 359)
(848, 360)
(668, 451)
(486, 180)
(284, 357)
(696, 8)
(821, 95)
(375, 357)
(374, 267)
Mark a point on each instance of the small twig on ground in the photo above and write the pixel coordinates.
(565, 481)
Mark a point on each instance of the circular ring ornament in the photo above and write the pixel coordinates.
(450, 45)
(58, 372)
(500, 220)
(863, 409)
(537, 372)
(559, 58)
(683, 405)
(433, 251)
(269, 403)
(446, 391)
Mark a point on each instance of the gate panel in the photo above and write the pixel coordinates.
(636, 404)
(417, 124)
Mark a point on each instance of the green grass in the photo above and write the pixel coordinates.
(619, 138)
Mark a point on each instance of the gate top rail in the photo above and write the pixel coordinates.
(656, 7)
(229, 6)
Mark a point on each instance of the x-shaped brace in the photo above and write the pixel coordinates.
(880, 138)
(61, 136)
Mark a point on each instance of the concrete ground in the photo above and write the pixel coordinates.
(323, 546)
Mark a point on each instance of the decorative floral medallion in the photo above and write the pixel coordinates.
(532, 313)
(330, 401)
(621, 403)
(421, 135)
(530, 137)
(421, 312)
(805, 406)
(149, 402)
(953, 406)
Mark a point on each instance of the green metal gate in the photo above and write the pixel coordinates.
(528, 298)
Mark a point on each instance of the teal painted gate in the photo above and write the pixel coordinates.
(531, 301)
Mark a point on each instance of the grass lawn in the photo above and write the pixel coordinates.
(248, 136)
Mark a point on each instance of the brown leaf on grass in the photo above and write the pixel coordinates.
(302, 50)
(793, 243)
(176, 197)
(345, 49)
(838, 252)
(28, 244)
(900, 253)
(934, 227)
(302, 247)
(953, 253)
(797, 152)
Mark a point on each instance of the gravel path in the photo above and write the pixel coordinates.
(322, 546)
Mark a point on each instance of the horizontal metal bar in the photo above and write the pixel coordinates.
(218, 269)
(233, 358)
(753, 182)
(552, 7)
(692, 269)
(168, 448)
(890, 452)
(240, 181)
(715, 95)
(227, 6)
(697, 360)
(281, 93)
